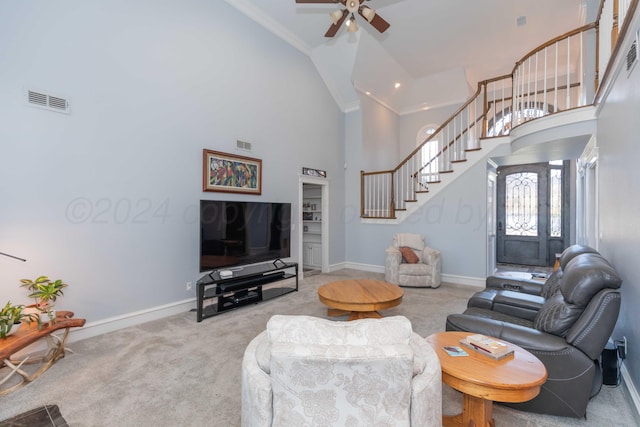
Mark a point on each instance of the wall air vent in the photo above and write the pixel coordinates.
(243, 145)
(41, 99)
(632, 56)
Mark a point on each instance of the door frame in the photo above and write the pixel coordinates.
(492, 192)
(324, 227)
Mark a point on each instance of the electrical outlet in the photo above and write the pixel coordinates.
(621, 347)
(189, 285)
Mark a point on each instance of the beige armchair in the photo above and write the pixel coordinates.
(423, 272)
(308, 371)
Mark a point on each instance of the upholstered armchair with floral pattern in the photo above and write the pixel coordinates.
(308, 371)
(410, 263)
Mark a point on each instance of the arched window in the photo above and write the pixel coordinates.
(504, 121)
(428, 154)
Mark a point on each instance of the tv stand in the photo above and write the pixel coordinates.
(244, 287)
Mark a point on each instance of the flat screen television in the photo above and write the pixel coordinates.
(238, 233)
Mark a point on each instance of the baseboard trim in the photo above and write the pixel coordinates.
(473, 282)
(632, 390)
(93, 329)
(362, 267)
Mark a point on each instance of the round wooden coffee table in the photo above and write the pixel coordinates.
(361, 298)
(483, 380)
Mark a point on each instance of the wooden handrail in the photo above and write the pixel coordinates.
(551, 42)
(453, 116)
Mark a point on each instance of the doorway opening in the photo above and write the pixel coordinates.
(313, 225)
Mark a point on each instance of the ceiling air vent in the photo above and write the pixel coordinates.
(243, 145)
(41, 99)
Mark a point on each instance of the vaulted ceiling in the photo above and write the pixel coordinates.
(436, 49)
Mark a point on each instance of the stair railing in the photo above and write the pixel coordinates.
(557, 76)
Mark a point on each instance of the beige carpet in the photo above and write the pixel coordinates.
(177, 372)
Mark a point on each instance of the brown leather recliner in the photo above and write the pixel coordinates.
(567, 331)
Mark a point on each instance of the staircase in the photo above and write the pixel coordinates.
(559, 76)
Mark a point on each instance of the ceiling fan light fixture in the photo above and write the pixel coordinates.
(336, 16)
(368, 13)
(352, 26)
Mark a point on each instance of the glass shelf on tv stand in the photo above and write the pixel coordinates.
(243, 287)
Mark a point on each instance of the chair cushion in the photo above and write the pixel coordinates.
(408, 255)
(556, 316)
(573, 251)
(341, 384)
(585, 276)
(414, 241)
(552, 284)
(414, 270)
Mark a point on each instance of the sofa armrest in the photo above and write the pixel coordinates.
(430, 256)
(518, 304)
(256, 388)
(392, 261)
(426, 386)
(531, 287)
(527, 338)
(483, 299)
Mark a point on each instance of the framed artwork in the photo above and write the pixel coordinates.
(229, 173)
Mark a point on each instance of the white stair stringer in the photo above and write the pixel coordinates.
(489, 146)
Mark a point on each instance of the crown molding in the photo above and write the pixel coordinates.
(248, 9)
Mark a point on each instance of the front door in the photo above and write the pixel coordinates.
(533, 212)
(522, 212)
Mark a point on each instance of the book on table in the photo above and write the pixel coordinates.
(488, 346)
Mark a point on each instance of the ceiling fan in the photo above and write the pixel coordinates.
(352, 6)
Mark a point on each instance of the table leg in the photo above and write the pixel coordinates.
(56, 348)
(476, 412)
(335, 312)
(477, 409)
(355, 315)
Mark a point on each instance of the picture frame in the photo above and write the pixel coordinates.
(230, 173)
(307, 216)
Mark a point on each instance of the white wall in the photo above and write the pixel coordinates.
(106, 197)
(618, 188)
(410, 125)
(379, 136)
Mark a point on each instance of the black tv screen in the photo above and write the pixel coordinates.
(237, 233)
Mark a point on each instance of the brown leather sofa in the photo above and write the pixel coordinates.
(566, 326)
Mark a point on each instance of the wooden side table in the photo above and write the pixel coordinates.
(29, 334)
(483, 380)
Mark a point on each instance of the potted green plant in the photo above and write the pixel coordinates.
(45, 292)
(11, 317)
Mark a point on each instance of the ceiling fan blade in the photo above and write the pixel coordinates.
(378, 23)
(315, 1)
(333, 29)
